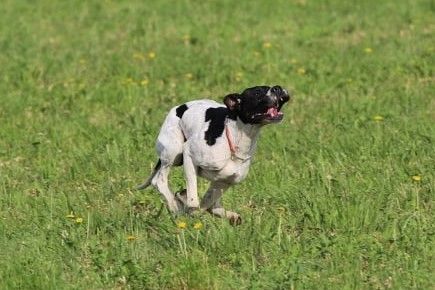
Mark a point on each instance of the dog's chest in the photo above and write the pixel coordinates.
(233, 172)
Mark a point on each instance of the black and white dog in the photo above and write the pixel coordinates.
(213, 141)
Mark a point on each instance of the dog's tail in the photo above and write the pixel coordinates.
(148, 181)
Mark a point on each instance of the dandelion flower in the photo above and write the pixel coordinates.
(198, 226)
(238, 77)
(138, 56)
(151, 55)
(181, 225)
(186, 39)
(368, 50)
(131, 238)
(144, 82)
(79, 220)
(416, 178)
(267, 45)
(128, 81)
(301, 71)
(378, 118)
(70, 215)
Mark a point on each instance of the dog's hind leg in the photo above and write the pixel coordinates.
(170, 151)
(190, 172)
(160, 182)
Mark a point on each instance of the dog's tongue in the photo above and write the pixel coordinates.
(273, 112)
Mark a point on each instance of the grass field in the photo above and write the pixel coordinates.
(340, 195)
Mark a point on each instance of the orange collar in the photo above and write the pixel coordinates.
(233, 148)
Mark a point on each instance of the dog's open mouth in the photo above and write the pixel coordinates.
(271, 115)
(274, 114)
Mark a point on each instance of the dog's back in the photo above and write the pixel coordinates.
(186, 121)
(190, 117)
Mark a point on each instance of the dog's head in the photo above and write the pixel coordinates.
(258, 105)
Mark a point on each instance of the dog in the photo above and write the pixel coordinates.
(213, 141)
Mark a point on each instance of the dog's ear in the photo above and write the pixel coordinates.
(232, 101)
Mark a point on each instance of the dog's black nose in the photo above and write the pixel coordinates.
(281, 93)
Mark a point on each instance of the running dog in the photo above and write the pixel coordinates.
(216, 142)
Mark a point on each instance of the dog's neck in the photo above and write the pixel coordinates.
(242, 138)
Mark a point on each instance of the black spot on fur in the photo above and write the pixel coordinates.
(217, 117)
(180, 110)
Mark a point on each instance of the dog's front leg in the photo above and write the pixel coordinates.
(190, 172)
(213, 194)
(211, 202)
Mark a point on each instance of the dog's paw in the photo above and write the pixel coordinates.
(234, 218)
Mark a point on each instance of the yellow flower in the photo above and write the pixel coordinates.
(181, 225)
(197, 226)
(144, 82)
(138, 56)
(368, 50)
(301, 71)
(416, 178)
(189, 76)
(378, 118)
(128, 81)
(186, 39)
(267, 45)
(70, 215)
(151, 55)
(131, 238)
(238, 77)
(79, 220)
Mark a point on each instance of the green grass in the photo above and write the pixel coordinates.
(330, 202)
